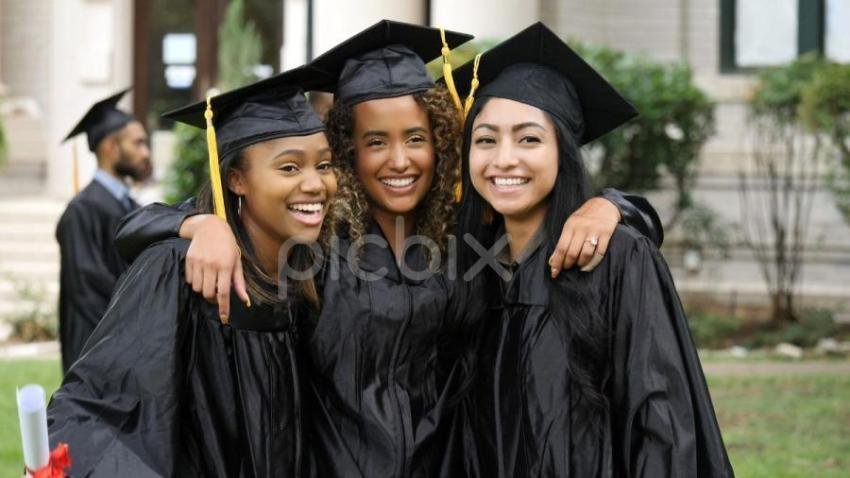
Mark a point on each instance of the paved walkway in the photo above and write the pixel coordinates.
(777, 368)
(34, 350)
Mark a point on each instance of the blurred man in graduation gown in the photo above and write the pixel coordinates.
(90, 265)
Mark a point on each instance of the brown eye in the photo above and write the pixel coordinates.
(530, 139)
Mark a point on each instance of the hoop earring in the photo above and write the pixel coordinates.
(239, 206)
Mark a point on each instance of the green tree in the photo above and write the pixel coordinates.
(825, 109)
(240, 48)
(676, 118)
(778, 184)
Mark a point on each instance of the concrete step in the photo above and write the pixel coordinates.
(39, 231)
(9, 290)
(41, 250)
(32, 205)
(30, 270)
(11, 187)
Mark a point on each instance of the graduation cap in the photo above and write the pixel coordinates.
(102, 119)
(272, 108)
(537, 68)
(268, 109)
(385, 60)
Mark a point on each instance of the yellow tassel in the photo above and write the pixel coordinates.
(447, 74)
(215, 174)
(75, 168)
(470, 99)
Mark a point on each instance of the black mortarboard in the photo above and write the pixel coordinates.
(268, 109)
(383, 61)
(102, 119)
(537, 68)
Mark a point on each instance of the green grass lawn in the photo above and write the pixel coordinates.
(774, 426)
(13, 374)
(785, 426)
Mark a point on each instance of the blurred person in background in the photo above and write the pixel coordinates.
(90, 265)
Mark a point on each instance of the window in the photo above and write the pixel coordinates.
(759, 33)
(837, 41)
(765, 32)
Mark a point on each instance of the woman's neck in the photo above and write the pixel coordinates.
(396, 228)
(522, 228)
(266, 247)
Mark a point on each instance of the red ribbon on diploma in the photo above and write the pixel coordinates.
(60, 460)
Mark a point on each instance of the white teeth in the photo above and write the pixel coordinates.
(307, 207)
(509, 181)
(398, 182)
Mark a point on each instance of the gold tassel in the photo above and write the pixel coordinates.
(215, 174)
(215, 181)
(447, 74)
(75, 168)
(468, 106)
(472, 87)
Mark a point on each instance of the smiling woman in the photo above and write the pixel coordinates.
(511, 164)
(166, 386)
(408, 151)
(590, 375)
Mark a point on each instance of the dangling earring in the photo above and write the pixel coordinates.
(239, 206)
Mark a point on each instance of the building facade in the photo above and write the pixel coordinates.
(56, 58)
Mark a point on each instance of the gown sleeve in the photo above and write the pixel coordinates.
(147, 225)
(638, 213)
(664, 421)
(118, 406)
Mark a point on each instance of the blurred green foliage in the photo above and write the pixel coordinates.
(825, 109)
(676, 118)
(240, 49)
(34, 317)
(812, 93)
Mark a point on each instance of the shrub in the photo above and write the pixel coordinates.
(676, 118)
(33, 319)
(713, 331)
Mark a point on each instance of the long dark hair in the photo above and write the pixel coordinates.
(261, 287)
(572, 302)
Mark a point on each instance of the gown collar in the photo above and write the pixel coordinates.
(376, 257)
(529, 282)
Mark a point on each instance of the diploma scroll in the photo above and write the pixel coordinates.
(32, 411)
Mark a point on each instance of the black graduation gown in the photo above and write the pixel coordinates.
(660, 420)
(380, 361)
(163, 389)
(379, 372)
(90, 265)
